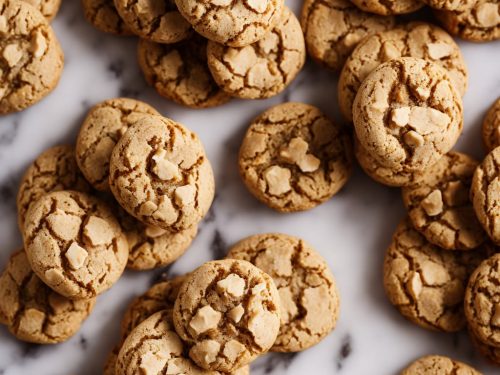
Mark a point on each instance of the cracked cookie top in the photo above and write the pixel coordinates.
(438, 365)
(32, 311)
(31, 59)
(416, 39)
(228, 313)
(407, 112)
(459, 5)
(235, 23)
(308, 294)
(293, 157)
(491, 353)
(48, 8)
(387, 7)
(102, 14)
(75, 244)
(332, 29)
(491, 127)
(104, 125)
(439, 205)
(264, 68)
(160, 174)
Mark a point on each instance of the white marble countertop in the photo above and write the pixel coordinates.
(351, 231)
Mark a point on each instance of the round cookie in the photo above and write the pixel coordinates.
(160, 174)
(459, 5)
(31, 59)
(32, 311)
(53, 170)
(485, 194)
(264, 68)
(408, 113)
(105, 123)
(179, 72)
(102, 14)
(387, 7)
(439, 205)
(308, 294)
(491, 127)
(293, 157)
(48, 8)
(75, 244)
(236, 23)
(155, 20)
(438, 365)
(416, 39)
(480, 23)
(332, 28)
(227, 313)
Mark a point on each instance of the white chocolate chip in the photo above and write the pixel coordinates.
(278, 180)
(434, 274)
(236, 313)
(413, 139)
(64, 225)
(427, 120)
(12, 54)
(206, 318)
(38, 44)
(152, 363)
(433, 203)
(263, 324)
(184, 195)
(164, 168)
(233, 285)
(166, 211)
(154, 232)
(439, 50)
(390, 51)
(296, 152)
(259, 6)
(415, 285)
(423, 92)
(54, 276)
(171, 64)
(76, 256)
(488, 15)
(269, 43)
(233, 349)
(205, 351)
(3, 24)
(401, 116)
(221, 3)
(147, 208)
(98, 231)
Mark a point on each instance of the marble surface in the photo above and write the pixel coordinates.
(351, 231)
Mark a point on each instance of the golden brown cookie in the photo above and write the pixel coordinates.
(155, 20)
(32, 311)
(53, 170)
(75, 244)
(236, 23)
(386, 7)
(408, 113)
(48, 8)
(102, 14)
(480, 23)
(264, 68)
(438, 365)
(179, 72)
(491, 127)
(31, 59)
(459, 5)
(160, 174)
(293, 157)
(416, 39)
(485, 194)
(439, 205)
(308, 294)
(332, 28)
(227, 313)
(105, 123)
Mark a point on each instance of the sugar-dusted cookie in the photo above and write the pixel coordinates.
(485, 194)
(31, 59)
(293, 157)
(105, 123)
(416, 39)
(308, 294)
(32, 311)
(480, 23)
(459, 5)
(491, 127)
(48, 8)
(156, 20)
(179, 72)
(332, 28)
(234, 23)
(264, 68)
(160, 174)
(75, 244)
(54, 169)
(439, 205)
(228, 313)
(102, 14)
(438, 365)
(386, 7)
(408, 113)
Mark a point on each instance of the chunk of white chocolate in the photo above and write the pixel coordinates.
(206, 318)
(76, 256)
(232, 285)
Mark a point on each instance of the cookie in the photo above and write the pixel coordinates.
(75, 244)
(308, 294)
(439, 205)
(53, 170)
(264, 68)
(481, 23)
(235, 23)
(416, 39)
(102, 14)
(438, 365)
(491, 127)
(485, 194)
(179, 72)
(388, 7)
(31, 59)
(227, 313)
(32, 311)
(332, 28)
(459, 5)
(48, 8)
(103, 126)
(293, 157)
(425, 283)
(110, 364)
(160, 174)
(408, 113)
(155, 20)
